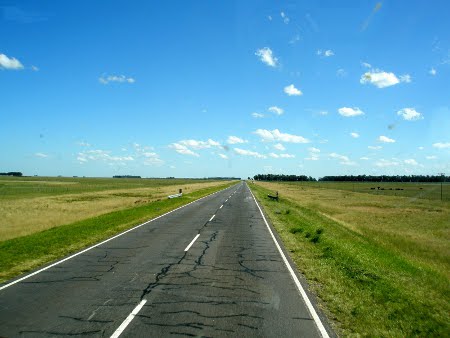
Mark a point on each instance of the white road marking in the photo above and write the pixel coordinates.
(212, 218)
(128, 320)
(309, 305)
(226, 200)
(221, 206)
(98, 244)
(192, 242)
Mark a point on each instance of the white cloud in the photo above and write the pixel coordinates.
(41, 155)
(366, 65)
(266, 56)
(432, 157)
(284, 17)
(313, 157)
(244, 152)
(152, 159)
(386, 163)
(281, 155)
(411, 161)
(349, 112)
(354, 135)
(182, 149)
(194, 144)
(410, 114)
(292, 91)
(314, 150)
(257, 115)
(295, 39)
(102, 155)
(441, 145)
(83, 144)
(375, 147)
(279, 146)
(276, 110)
(326, 53)
(34, 68)
(269, 17)
(9, 63)
(421, 148)
(276, 135)
(405, 78)
(385, 139)
(339, 157)
(323, 112)
(235, 140)
(225, 157)
(364, 158)
(432, 71)
(379, 79)
(341, 72)
(115, 78)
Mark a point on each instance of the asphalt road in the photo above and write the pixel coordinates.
(209, 269)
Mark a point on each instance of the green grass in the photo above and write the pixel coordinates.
(430, 191)
(366, 284)
(24, 253)
(28, 187)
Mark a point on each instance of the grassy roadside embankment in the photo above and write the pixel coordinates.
(21, 254)
(380, 265)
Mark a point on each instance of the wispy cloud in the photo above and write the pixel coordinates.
(382, 163)
(325, 53)
(182, 149)
(284, 17)
(410, 114)
(225, 157)
(292, 91)
(349, 112)
(266, 56)
(273, 155)
(41, 155)
(257, 115)
(441, 145)
(83, 144)
(101, 155)
(411, 161)
(342, 159)
(279, 146)
(276, 110)
(244, 152)
(235, 140)
(374, 147)
(366, 23)
(276, 135)
(341, 72)
(354, 135)
(9, 63)
(432, 71)
(115, 78)
(385, 139)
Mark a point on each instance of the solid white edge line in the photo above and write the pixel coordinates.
(192, 242)
(128, 320)
(103, 242)
(309, 305)
(212, 218)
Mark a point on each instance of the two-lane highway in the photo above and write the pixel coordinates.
(211, 268)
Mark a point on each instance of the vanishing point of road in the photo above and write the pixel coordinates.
(213, 268)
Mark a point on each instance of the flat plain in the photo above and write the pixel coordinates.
(379, 263)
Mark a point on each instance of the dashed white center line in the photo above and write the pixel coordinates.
(221, 206)
(128, 320)
(226, 200)
(212, 218)
(192, 242)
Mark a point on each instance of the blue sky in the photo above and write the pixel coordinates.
(224, 88)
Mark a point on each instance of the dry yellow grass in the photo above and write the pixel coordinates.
(25, 216)
(415, 228)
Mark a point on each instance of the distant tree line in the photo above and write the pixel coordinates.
(126, 176)
(12, 173)
(386, 178)
(276, 177)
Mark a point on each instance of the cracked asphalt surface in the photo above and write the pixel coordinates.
(231, 282)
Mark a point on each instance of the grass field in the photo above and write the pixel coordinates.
(44, 225)
(30, 205)
(379, 264)
(431, 191)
